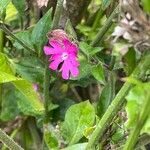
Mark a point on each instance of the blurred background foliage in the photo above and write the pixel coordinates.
(75, 106)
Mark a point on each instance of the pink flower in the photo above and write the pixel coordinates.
(65, 53)
(35, 87)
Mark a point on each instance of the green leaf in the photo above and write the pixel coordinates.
(64, 104)
(6, 74)
(40, 30)
(84, 69)
(98, 73)
(3, 4)
(11, 13)
(5, 77)
(26, 88)
(118, 135)
(78, 118)
(89, 50)
(50, 140)
(20, 6)
(135, 101)
(130, 61)
(84, 29)
(4, 67)
(26, 106)
(89, 131)
(30, 68)
(31, 101)
(146, 4)
(24, 36)
(70, 30)
(9, 106)
(80, 146)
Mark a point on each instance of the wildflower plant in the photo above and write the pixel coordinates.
(63, 52)
(74, 75)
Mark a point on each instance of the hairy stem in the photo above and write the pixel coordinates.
(1, 50)
(47, 71)
(118, 101)
(99, 15)
(105, 28)
(13, 134)
(133, 137)
(7, 31)
(2, 40)
(9, 142)
(46, 90)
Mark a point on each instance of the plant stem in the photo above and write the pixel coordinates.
(47, 71)
(7, 31)
(116, 104)
(13, 134)
(2, 40)
(9, 142)
(133, 137)
(1, 50)
(46, 90)
(99, 15)
(105, 28)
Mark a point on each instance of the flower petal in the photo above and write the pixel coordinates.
(65, 70)
(73, 60)
(56, 45)
(68, 68)
(69, 46)
(74, 71)
(55, 62)
(50, 51)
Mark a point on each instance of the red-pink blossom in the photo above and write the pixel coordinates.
(65, 53)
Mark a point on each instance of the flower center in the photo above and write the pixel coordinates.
(64, 56)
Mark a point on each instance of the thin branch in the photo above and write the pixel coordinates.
(9, 142)
(118, 101)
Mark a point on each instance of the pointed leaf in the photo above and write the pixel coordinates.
(30, 68)
(40, 30)
(26, 88)
(5, 77)
(98, 73)
(78, 117)
(31, 98)
(20, 6)
(3, 4)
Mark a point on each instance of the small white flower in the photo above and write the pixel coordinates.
(119, 31)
